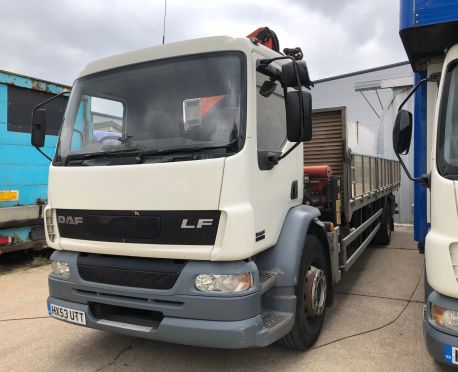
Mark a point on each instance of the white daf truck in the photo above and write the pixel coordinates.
(192, 220)
(429, 31)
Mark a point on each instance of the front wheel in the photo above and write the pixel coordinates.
(311, 291)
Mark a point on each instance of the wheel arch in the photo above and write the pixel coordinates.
(285, 256)
(316, 228)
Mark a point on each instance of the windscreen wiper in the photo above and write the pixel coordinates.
(142, 154)
(131, 151)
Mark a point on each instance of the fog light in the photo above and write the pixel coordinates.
(444, 317)
(60, 268)
(228, 283)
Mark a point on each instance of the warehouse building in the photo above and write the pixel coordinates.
(372, 98)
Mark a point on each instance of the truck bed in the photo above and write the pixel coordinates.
(360, 178)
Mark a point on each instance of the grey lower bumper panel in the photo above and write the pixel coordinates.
(217, 334)
(185, 315)
(442, 346)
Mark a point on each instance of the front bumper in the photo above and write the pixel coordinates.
(189, 317)
(207, 333)
(442, 345)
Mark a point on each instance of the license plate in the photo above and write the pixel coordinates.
(65, 313)
(451, 354)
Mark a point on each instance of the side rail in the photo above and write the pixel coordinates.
(372, 178)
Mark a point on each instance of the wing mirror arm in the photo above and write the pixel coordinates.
(402, 132)
(431, 78)
(424, 180)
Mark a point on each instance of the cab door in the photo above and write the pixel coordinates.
(280, 188)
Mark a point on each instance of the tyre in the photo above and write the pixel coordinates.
(311, 292)
(383, 236)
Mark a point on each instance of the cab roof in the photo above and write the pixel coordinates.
(181, 48)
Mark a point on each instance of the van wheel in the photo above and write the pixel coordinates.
(383, 236)
(311, 292)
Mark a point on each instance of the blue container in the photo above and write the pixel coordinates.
(23, 170)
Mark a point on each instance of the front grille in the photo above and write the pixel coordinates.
(128, 278)
(129, 271)
(133, 227)
(139, 227)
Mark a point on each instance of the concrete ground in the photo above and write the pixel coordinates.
(374, 325)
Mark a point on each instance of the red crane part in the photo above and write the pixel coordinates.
(266, 37)
(319, 171)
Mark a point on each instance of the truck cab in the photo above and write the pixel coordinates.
(176, 198)
(429, 31)
(182, 200)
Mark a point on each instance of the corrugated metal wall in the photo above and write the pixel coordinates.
(328, 139)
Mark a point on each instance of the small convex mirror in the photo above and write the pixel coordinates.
(267, 88)
(402, 132)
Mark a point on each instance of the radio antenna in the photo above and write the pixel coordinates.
(165, 15)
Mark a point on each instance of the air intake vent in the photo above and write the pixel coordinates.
(454, 258)
(129, 271)
(134, 227)
(51, 226)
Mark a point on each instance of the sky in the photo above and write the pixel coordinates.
(54, 39)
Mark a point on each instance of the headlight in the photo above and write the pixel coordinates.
(60, 268)
(228, 283)
(444, 317)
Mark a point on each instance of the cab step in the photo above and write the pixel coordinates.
(266, 280)
(273, 319)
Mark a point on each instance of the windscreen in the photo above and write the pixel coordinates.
(177, 103)
(447, 149)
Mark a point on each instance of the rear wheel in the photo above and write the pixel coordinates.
(383, 236)
(311, 292)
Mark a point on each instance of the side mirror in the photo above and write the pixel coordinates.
(38, 128)
(297, 130)
(288, 74)
(402, 132)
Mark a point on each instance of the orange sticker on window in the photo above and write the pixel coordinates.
(207, 104)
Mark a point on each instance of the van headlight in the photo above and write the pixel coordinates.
(61, 268)
(228, 283)
(445, 318)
